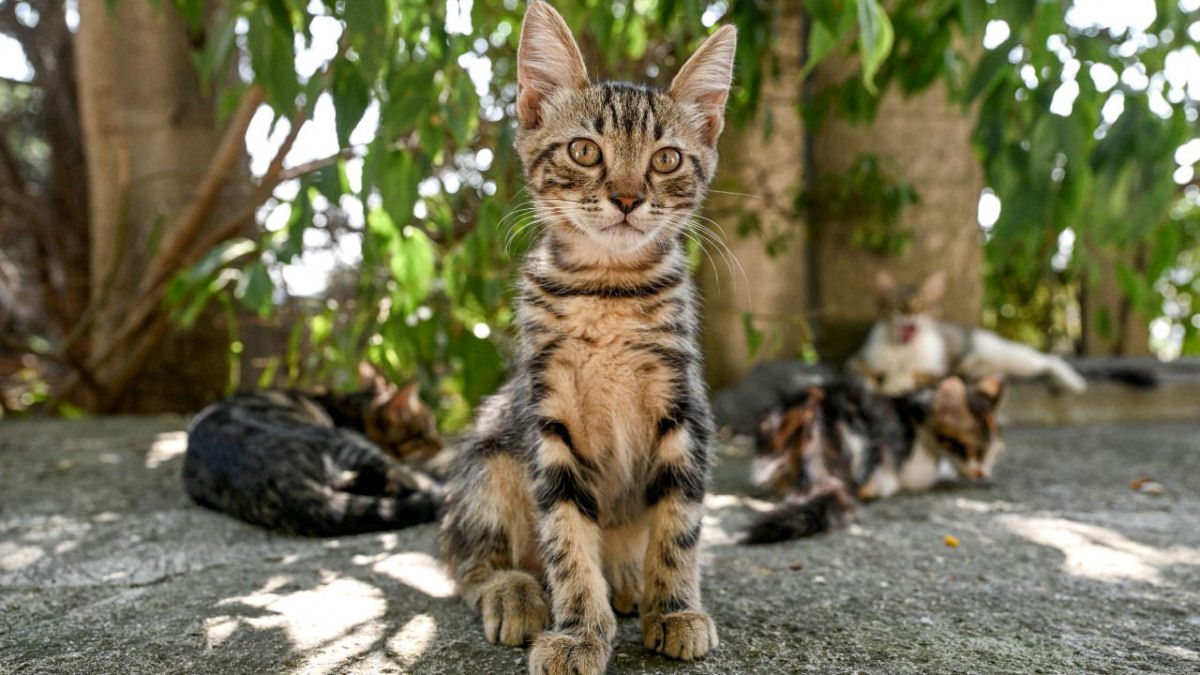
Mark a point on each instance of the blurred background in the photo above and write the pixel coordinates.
(198, 196)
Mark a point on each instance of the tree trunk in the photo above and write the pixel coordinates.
(926, 141)
(768, 172)
(1112, 326)
(149, 134)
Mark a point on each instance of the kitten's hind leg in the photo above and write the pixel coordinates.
(487, 539)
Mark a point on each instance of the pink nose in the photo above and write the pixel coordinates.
(626, 202)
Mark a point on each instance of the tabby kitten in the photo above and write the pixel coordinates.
(908, 347)
(300, 464)
(840, 442)
(586, 473)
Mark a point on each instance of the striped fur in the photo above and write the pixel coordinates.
(580, 491)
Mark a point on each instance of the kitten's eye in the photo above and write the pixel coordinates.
(584, 152)
(666, 160)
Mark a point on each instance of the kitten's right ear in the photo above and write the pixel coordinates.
(547, 60)
(884, 285)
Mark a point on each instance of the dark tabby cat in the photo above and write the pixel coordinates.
(301, 464)
(842, 442)
(587, 471)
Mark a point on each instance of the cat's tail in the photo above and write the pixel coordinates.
(341, 513)
(1064, 375)
(800, 517)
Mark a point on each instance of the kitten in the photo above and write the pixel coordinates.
(841, 442)
(300, 464)
(584, 480)
(908, 348)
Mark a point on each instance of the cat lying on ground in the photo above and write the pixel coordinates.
(908, 347)
(840, 443)
(318, 465)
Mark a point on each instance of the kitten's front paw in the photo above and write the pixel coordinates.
(560, 654)
(513, 607)
(683, 635)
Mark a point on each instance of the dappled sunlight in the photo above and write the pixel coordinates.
(166, 446)
(714, 532)
(25, 543)
(413, 640)
(1098, 552)
(419, 571)
(337, 616)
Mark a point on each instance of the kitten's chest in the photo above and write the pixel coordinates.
(901, 365)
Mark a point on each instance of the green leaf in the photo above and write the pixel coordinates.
(754, 336)
(990, 69)
(351, 96)
(875, 39)
(256, 290)
(821, 41)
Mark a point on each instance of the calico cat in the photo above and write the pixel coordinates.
(841, 442)
(583, 483)
(300, 464)
(908, 348)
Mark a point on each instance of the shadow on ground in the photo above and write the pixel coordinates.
(106, 566)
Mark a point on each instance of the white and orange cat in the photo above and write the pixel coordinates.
(908, 348)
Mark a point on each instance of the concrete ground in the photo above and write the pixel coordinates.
(106, 567)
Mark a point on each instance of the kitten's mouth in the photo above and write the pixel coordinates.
(623, 227)
(906, 332)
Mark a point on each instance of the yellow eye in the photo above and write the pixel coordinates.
(666, 160)
(584, 152)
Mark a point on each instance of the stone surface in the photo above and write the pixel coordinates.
(105, 566)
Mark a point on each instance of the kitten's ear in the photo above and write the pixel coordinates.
(547, 60)
(951, 398)
(884, 284)
(992, 387)
(934, 288)
(404, 402)
(704, 80)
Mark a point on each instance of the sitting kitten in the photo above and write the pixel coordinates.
(908, 348)
(300, 464)
(841, 441)
(584, 481)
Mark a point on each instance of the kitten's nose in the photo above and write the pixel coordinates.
(626, 202)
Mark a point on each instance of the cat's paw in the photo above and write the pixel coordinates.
(561, 654)
(513, 607)
(682, 635)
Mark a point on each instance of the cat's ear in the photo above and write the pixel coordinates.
(547, 60)
(884, 284)
(704, 80)
(934, 288)
(992, 387)
(950, 401)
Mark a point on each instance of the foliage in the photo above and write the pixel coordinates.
(431, 192)
(867, 195)
(1076, 122)
(436, 181)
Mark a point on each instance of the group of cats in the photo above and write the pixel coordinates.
(579, 495)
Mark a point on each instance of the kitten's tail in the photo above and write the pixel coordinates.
(799, 517)
(341, 513)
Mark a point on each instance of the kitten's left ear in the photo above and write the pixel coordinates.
(547, 60)
(950, 401)
(704, 80)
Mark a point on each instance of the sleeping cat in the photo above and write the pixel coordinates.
(301, 464)
(840, 442)
(583, 483)
(908, 348)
